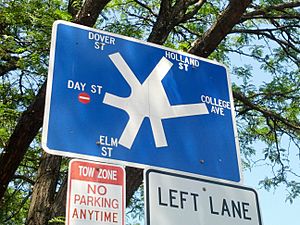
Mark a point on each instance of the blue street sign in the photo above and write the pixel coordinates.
(117, 99)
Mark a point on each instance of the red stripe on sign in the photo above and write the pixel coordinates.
(97, 172)
(84, 98)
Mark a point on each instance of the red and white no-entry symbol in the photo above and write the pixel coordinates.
(84, 98)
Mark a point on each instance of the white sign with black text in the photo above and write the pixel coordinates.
(174, 199)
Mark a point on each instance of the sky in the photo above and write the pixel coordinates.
(275, 210)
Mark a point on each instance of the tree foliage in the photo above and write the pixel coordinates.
(263, 33)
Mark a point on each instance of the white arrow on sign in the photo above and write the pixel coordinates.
(148, 100)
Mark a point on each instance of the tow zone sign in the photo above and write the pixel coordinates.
(174, 199)
(96, 194)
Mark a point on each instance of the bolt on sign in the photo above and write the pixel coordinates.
(96, 194)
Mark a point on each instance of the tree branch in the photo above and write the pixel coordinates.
(28, 126)
(90, 11)
(10, 64)
(20, 207)
(264, 11)
(146, 7)
(267, 17)
(268, 33)
(23, 177)
(31, 120)
(205, 45)
(73, 7)
(170, 16)
(269, 114)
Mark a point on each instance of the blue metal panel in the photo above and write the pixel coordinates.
(183, 120)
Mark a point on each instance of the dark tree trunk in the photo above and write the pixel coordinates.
(90, 11)
(233, 13)
(32, 119)
(59, 205)
(134, 178)
(25, 131)
(44, 190)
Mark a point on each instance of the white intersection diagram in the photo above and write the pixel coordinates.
(148, 99)
(139, 104)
